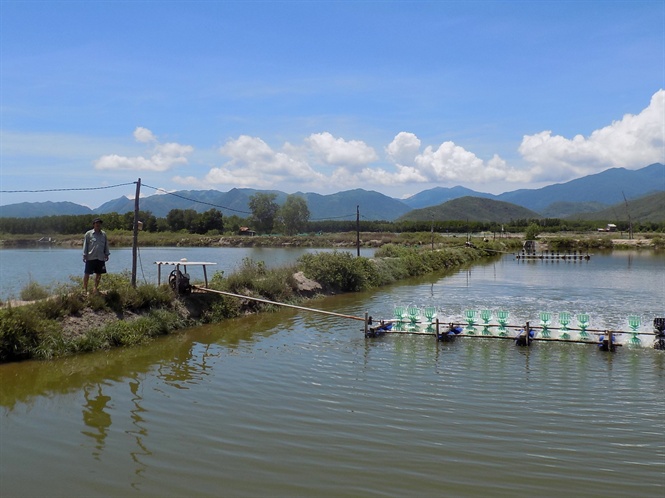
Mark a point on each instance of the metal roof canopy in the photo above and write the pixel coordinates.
(184, 263)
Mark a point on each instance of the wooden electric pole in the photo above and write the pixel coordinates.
(358, 229)
(136, 231)
(630, 222)
(432, 232)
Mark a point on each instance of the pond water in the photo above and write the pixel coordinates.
(51, 266)
(300, 404)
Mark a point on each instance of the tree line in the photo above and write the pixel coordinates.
(268, 217)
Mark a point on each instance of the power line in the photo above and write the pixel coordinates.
(159, 190)
(64, 189)
(334, 217)
(234, 210)
(194, 200)
(121, 185)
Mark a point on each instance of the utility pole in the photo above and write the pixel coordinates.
(630, 222)
(358, 229)
(136, 231)
(432, 231)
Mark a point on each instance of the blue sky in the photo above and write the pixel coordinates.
(316, 96)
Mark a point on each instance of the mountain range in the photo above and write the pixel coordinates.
(589, 194)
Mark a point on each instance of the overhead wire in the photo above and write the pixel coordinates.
(333, 217)
(195, 200)
(158, 189)
(65, 189)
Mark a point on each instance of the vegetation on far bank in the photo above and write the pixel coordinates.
(572, 240)
(69, 322)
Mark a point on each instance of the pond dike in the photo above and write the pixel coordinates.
(121, 316)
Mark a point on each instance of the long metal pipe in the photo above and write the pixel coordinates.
(314, 310)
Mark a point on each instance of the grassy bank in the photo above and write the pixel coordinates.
(563, 241)
(592, 242)
(70, 322)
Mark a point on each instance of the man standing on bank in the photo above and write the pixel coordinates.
(95, 253)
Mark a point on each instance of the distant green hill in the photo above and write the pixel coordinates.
(37, 209)
(608, 187)
(650, 208)
(342, 205)
(472, 209)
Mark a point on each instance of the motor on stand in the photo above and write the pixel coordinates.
(179, 282)
(449, 334)
(659, 329)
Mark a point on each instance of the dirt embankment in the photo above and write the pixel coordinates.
(633, 243)
(190, 308)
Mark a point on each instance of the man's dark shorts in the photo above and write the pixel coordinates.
(95, 266)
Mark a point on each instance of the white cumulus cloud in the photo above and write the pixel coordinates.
(635, 141)
(144, 135)
(162, 156)
(404, 148)
(447, 163)
(340, 152)
(252, 162)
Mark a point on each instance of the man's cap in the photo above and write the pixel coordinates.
(97, 220)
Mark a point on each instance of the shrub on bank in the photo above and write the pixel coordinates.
(338, 271)
(411, 262)
(121, 295)
(20, 330)
(118, 333)
(255, 278)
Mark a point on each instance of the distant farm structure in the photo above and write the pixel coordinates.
(610, 227)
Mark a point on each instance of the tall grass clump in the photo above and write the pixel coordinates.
(33, 292)
(222, 308)
(128, 332)
(658, 242)
(339, 271)
(21, 332)
(118, 294)
(254, 278)
(65, 301)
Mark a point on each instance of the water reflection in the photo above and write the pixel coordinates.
(179, 360)
(96, 417)
(188, 366)
(97, 420)
(139, 432)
